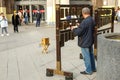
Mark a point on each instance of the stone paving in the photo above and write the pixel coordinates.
(21, 56)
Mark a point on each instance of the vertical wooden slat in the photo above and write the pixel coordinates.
(112, 23)
(58, 49)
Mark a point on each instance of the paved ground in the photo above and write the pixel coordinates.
(21, 56)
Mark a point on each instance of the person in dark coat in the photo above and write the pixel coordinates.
(38, 19)
(15, 21)
(85, 33)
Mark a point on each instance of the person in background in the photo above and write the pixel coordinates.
(118, 15)
(85, 33)
(4, 25)
(26, 16)
(0, 16)
(20, 17)
(38, 18)
(15, 21)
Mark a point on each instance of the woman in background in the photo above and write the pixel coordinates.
(15, 21)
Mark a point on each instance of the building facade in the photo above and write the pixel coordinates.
(46, 7)
(7, 7)
(32, 6)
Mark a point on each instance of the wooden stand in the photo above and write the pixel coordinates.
(58, 70)
(63, 33)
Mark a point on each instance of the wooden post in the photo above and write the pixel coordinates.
(95, 33)
(2, 7)
(112, 21)
(51, 72)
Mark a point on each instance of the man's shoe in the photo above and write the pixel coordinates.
(85, 73)
(81, 57)
(94, 70)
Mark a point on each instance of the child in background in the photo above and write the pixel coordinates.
(4, 25)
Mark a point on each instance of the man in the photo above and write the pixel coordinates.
(26, 16)
(38, 18)
(85, 33)
(15, 21)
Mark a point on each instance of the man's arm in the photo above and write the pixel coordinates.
(78, 31)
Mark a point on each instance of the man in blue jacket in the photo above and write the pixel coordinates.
(85, 33)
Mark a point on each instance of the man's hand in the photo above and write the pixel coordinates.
(77, 24)
(72, 27)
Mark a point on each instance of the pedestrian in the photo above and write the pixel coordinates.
(118, 15)
(15, 21)
(20, 17)
(85, 33)
(4, 25)
(0, 18)
(1, 14)
(38, 18)
(26, 16)
(116, 10)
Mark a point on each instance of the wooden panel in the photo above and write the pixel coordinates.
(67, 12)
(61, 13)
(71, 35)
(66, 36)
(103, 16)
(9, 5)
(2, 3)
(62, 39)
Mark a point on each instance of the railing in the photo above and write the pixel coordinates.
(67, 15)
(104, 18)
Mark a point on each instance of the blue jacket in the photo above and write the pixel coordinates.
(85, 32)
